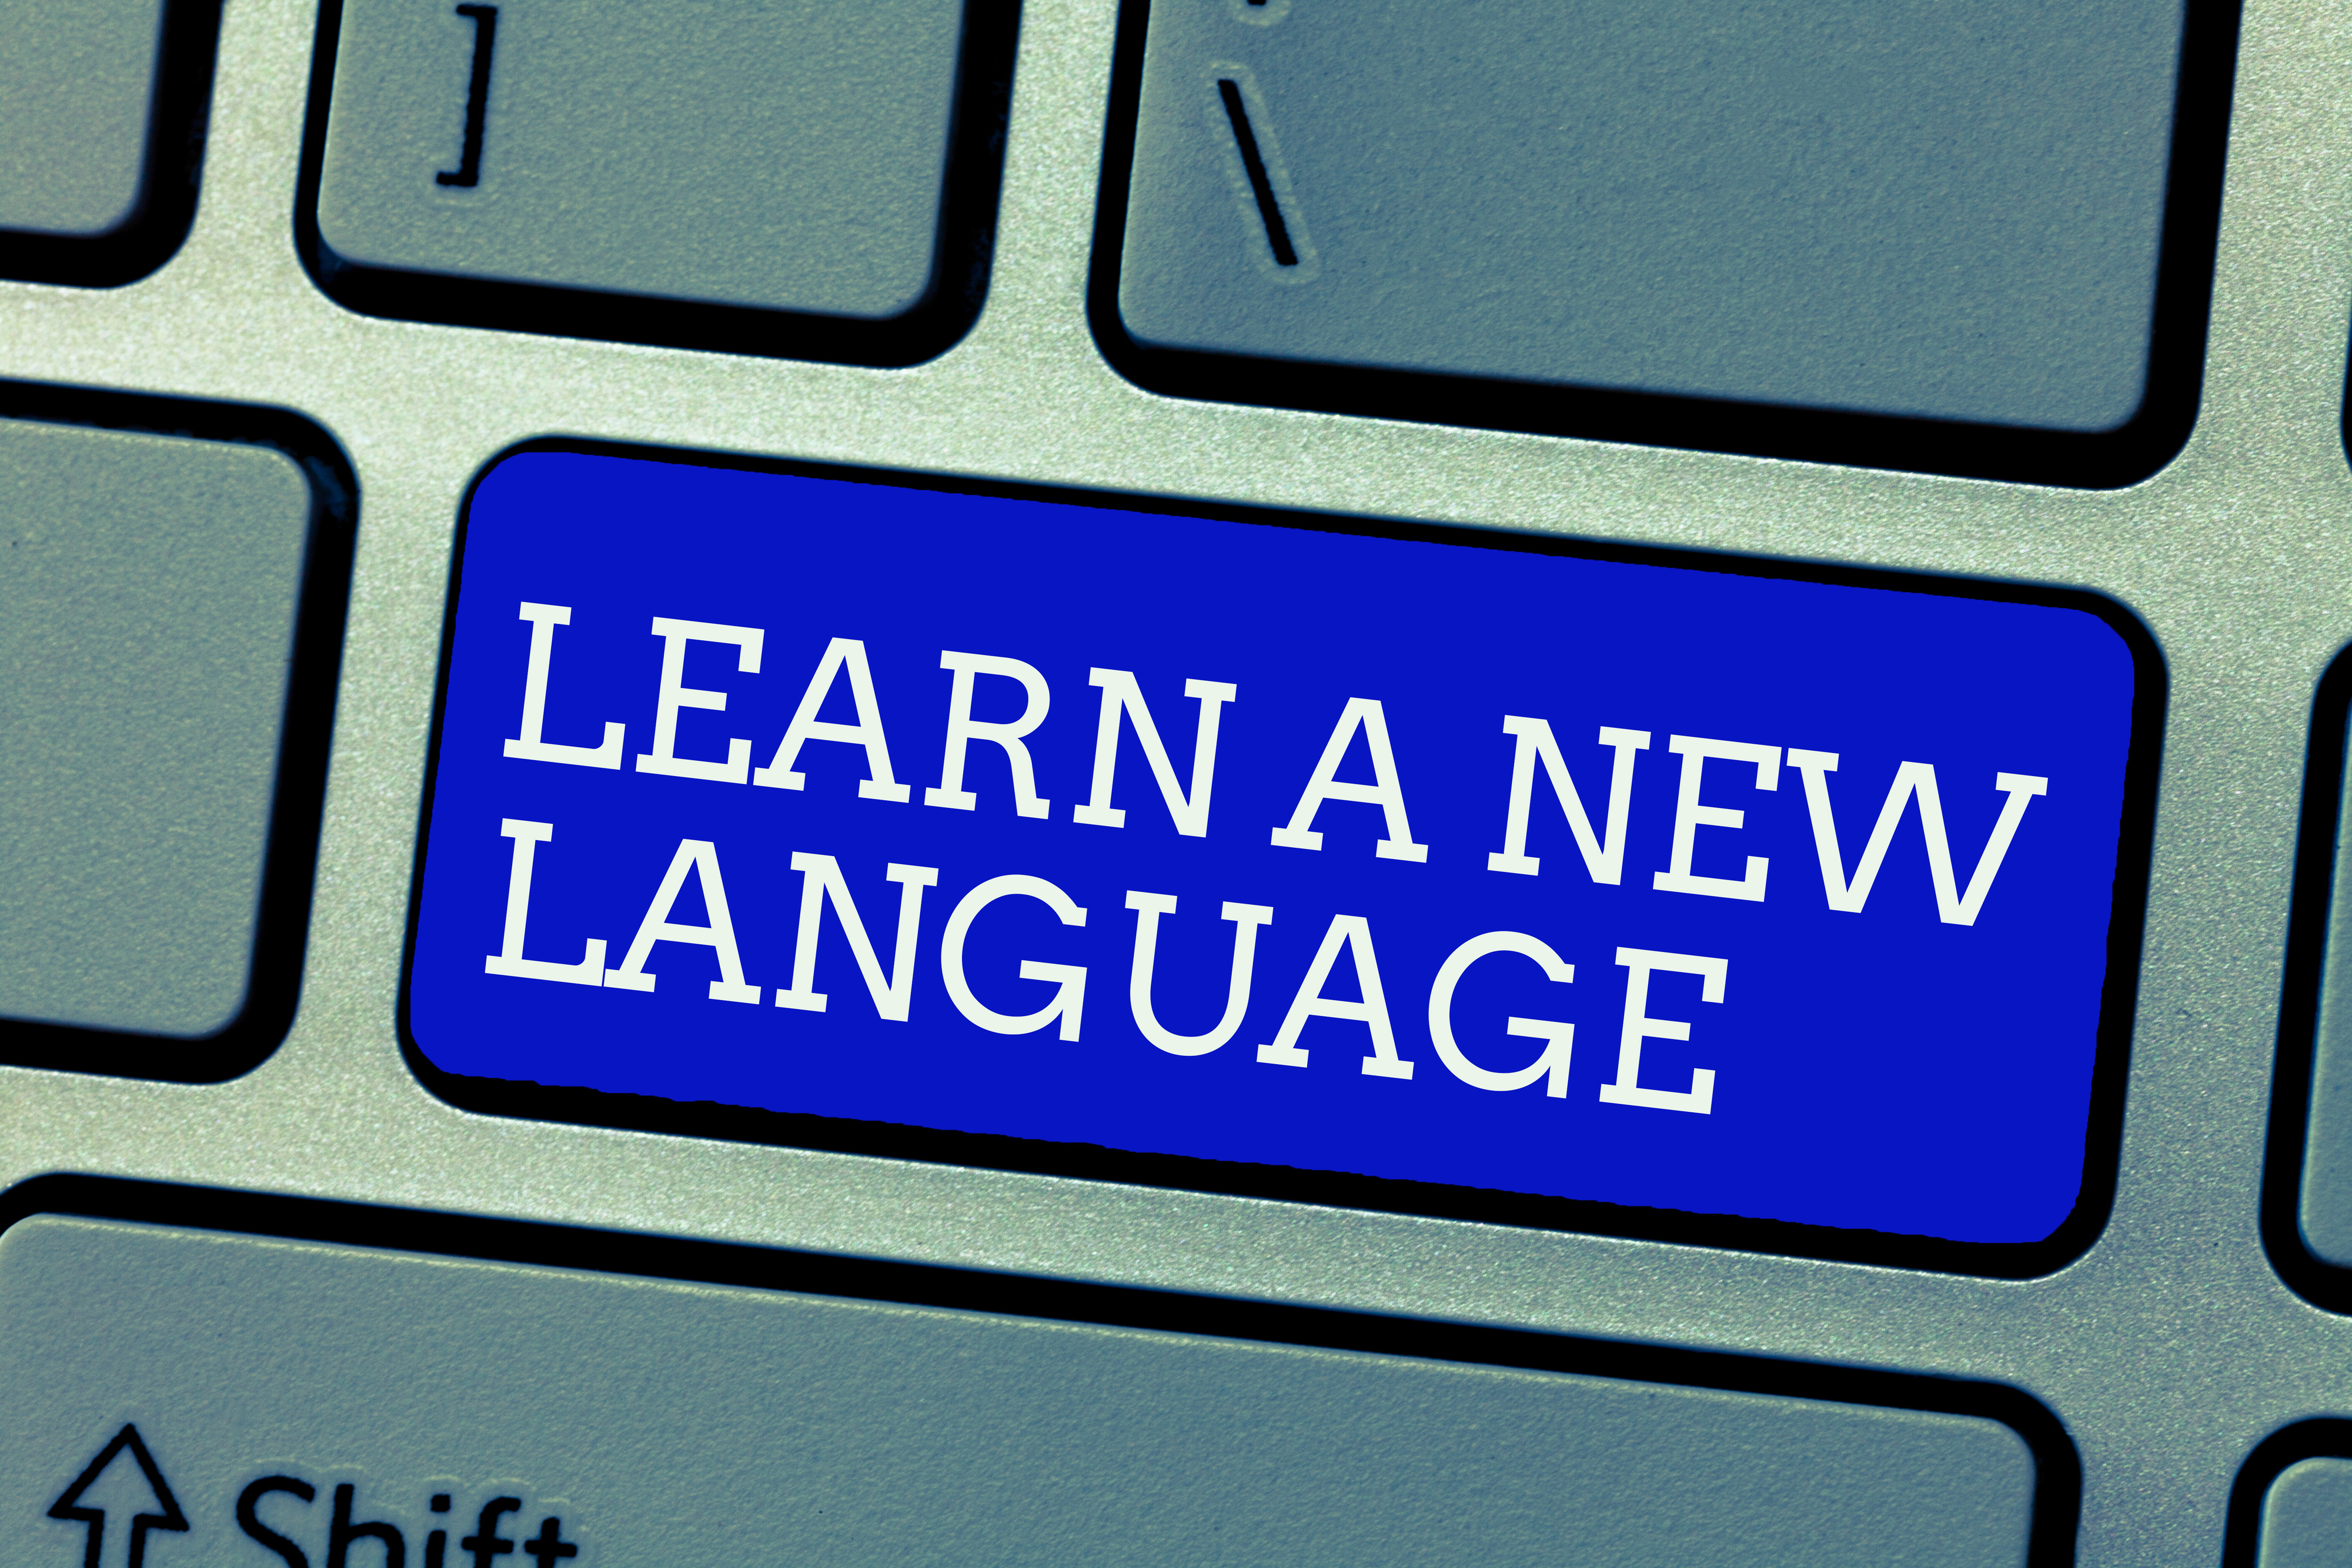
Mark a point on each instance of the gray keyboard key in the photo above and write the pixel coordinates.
(322, 1395)
(1890, 208)
(76, 79)
(148, 612)
(788, 155)
(101, 115)
(2308, 1516)
(2323, 1209)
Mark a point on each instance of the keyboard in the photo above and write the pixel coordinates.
(1173, 780)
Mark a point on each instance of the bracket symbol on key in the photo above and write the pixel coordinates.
(468, 172)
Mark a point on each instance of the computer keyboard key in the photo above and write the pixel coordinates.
(1516, 883)
(1841, 206)
(102, 108)
(665, 170)
(75, 83)
(2306, 1515)
(162, 691)
(2307, 1195)
(246, 1396)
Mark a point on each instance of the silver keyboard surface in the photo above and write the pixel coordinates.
(2191, 1330)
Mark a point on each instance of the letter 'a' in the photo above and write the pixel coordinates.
(1384, 791)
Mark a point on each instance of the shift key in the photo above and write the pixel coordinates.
(182, 1398)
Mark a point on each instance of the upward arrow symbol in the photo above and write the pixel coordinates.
(137, 1489)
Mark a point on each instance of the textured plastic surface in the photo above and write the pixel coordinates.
(782, 153)
(76, 80)
(147, 616)
(1902, 208)
(2168, 1348)
(680, 1424)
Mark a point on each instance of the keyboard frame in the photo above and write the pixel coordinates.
(2169, 1350)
